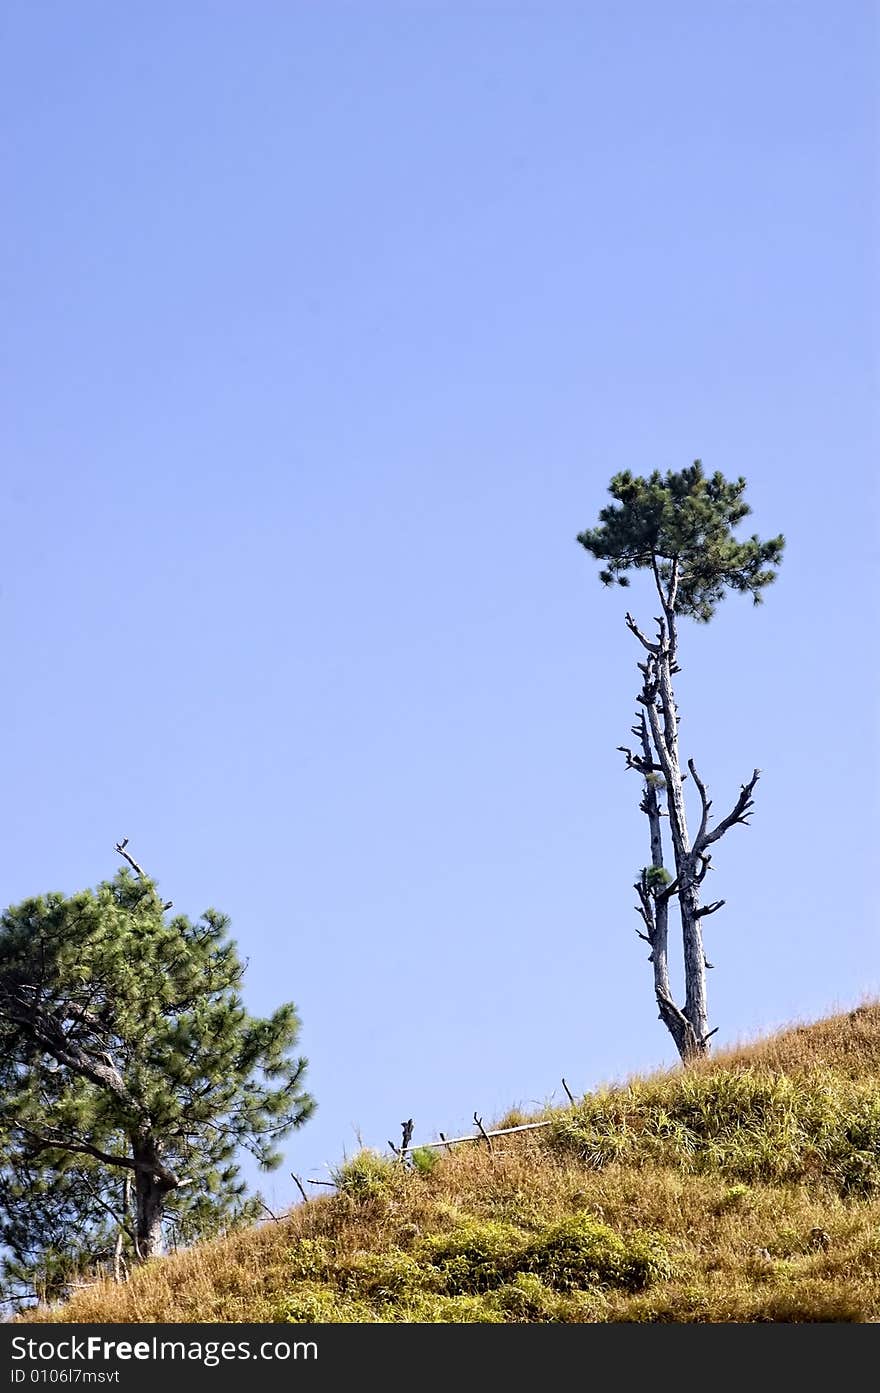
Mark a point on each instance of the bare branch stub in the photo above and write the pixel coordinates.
(710, 908)
(138, 870)
(483, 1133)
(568, 1090)
(407, 1130)
(634, 629)
(299, 1185)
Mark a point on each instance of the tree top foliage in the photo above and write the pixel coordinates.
(680, 526)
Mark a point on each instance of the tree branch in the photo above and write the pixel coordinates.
(46, 1033)
(109, 1210)
(709, 908)
(483, 1133)
(84, 1148)
(740, 813)
(673, 584)
(642, 766)
(646, 910)
(138, 870)
(705, 800)
(634, 629)
(667, 893)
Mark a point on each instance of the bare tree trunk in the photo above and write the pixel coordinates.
(659, 763)
(659, 695)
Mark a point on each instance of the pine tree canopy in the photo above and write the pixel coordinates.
(682, 524)
(126, 1052)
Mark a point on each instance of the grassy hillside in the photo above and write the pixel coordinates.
(746, 1188)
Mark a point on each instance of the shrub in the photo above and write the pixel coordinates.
(734, 1198)
(579, 1252)
(382, 1277)
(452, 1310)
(368, 1176)
(425, 1159)
(476, 1256)
(312, 1257)
(574, 1253)
(527, 1298)
(313, 1304)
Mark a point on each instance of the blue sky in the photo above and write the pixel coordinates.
(324, 329)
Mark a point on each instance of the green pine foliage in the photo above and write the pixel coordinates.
(655, 878)
(123, 1033)
(689, 517)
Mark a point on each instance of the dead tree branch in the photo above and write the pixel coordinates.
(643, 640)
(138, 870)
(127, 856)
(740, 812)
(299, 1185)
(483, 1133)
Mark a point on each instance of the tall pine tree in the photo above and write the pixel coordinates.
(679, 527)
(130, 1077)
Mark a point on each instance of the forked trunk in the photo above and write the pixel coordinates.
(659, 764)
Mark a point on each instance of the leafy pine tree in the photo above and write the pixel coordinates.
(130, 1077)
(680, 528)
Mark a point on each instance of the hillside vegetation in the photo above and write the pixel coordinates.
(745, 1188)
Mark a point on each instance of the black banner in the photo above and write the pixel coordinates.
(164, 1358)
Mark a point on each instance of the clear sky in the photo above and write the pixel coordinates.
(324, 327)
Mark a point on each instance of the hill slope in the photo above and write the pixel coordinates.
(746, 1188)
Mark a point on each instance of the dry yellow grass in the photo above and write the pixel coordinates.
(651, 1203)
(848, 1044)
